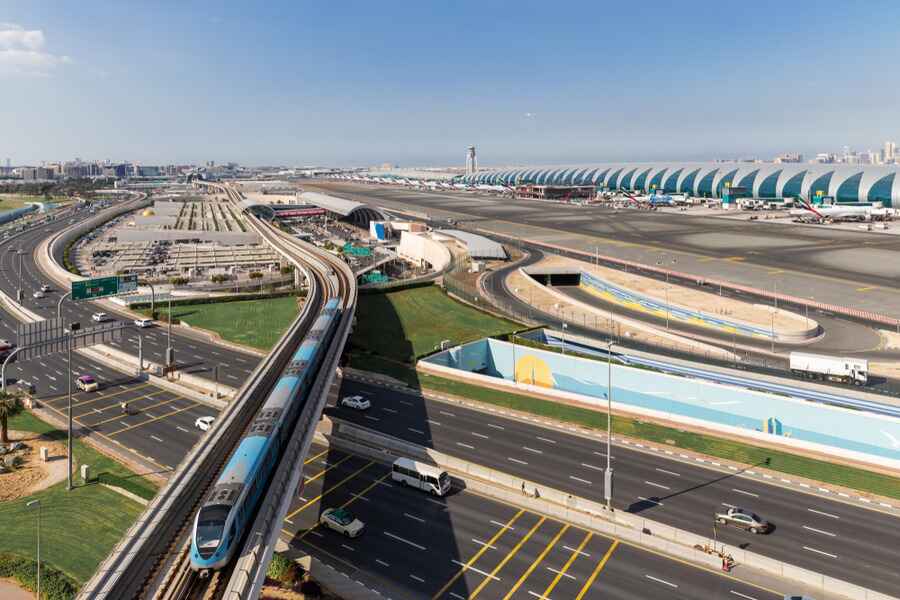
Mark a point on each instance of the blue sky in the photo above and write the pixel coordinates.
(414, 83)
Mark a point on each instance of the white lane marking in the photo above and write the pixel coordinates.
(153, 437)
(389, 410)
(740, 595)
(656, 502)
(382, 563)
(480, 543)
(532, 450)
(552, 570)
(419, 431)
(579, 479)
(819, 552)
(594, 467)
(432, 422)
(124, 423)
(473, 569)
(516, 460)
(503, 525)
(548, 440)
(481, 435)
(538, 596)
(662, 581)
(447, 414)
(673, 473)
(417, 578)
(346, 547)
(316, 533)
(659, 485)
(813, 529)
(581, 552)
(405, 541)
(465, 445)
(824, 514)
(729, 505)
(495, 426)
(751, 494)
(457, 596)
(371, 418)
(414, 517)
(405, 402)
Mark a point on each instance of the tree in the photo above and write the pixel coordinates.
(9, 406)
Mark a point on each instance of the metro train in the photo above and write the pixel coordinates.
(231, 504)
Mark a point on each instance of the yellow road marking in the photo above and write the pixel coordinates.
(536, 562)
(323, 471)
(597, 570)
(169, 401)
(575, 554)
(867, 288)
(309, 460)
(168, 414)
(707, 259)
(350, 501)
(478, 554)
(99, 395)
(328, 491)
(506, 558)
(776, 271)
(735, 258)
(116, 405)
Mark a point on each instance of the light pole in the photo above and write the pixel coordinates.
(608, 474)
(659, 263)
(69, 332)
(30, 505)
(170, 352)
(19, 293)
(564, 327)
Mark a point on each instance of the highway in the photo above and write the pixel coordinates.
(468, 546)
(846, 541)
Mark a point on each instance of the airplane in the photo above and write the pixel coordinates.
(841, 212)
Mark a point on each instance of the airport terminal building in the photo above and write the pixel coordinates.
(844, 183)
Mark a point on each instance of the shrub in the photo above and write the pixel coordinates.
(282, 569)
(288, 269)
(220, 278)
(178, 280)
(55, 585)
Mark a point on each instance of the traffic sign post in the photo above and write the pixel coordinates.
(102, 287)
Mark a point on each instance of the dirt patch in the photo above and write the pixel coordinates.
(11, 590)
(34, 474)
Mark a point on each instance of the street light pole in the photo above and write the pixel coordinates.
(19, 292)
(69, 374)
(170, 354)
(29, 505)
(60, 303)
(564, 327)
(608, 474)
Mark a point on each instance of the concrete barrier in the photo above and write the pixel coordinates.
(586, 513)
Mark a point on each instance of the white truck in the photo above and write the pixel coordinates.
(832, 368)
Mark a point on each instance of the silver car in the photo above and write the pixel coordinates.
(738, 517)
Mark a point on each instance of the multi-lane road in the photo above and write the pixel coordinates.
(846, 541)
(468, 546)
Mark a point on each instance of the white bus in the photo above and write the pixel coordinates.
(421, 476)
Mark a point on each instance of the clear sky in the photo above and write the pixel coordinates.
(345, 82)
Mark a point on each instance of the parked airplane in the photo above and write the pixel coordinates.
(839, 212)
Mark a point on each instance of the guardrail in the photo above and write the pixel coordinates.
(591, 515)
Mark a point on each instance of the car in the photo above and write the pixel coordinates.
(204, 423)
(738, 517)
(24, 386)
(87, 383)
(790, 597)
(356, 402)
(45, 288)
(143, 323)
(38, 294)
(342, 521)
(100, 317)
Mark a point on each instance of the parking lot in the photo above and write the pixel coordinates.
(468, 546)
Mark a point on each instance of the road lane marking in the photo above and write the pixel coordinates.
(329, 490)
(532, 450)
(417, 578)
(580, 480)
(371, 418)
(465, 445)
(323, 471)
(656, 502)
(822, 552)
(432, 422)
(740, 595)
(594, 467)
(419, 431)
(508, 556)
(478, 554)
(659, 485)
(382, 563)
(474, 570)
(516, 460)
(413, 517)
(495, 426)
(662, 581)
(346, 547)
(548, 440)
(180, 428)
(537, 561)
(499, 524)
(405, 541)
(447, 414)
(390, 410)
(673, 473)
(751, 494)
(823, 532)
(562, 572)
(824, 514)
(480, 543)
(153, 437)
(168, 414)
(584, 554)
(480, 435)
(558, 573)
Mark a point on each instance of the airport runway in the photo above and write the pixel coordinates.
(468, 546)
(839, 267)
(812, 532)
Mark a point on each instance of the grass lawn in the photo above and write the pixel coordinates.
(406, 324)
(13, 201)
(255, 323)
(78, 528)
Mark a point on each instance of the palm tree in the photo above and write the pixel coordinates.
(9, 405)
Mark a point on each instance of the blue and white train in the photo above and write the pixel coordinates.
(231, 505)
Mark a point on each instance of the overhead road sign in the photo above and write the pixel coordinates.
(40, 341)
(102, 287)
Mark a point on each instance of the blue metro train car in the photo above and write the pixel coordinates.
(232, 503)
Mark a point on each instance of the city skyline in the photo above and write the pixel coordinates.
(360, 86)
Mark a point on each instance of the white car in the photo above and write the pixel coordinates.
(342, 521)
(143, 323)
(204, 423)
(100, 317)
(356, 402)
(38, 294)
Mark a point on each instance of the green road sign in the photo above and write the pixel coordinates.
(100, 287)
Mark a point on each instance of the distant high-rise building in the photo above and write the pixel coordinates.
(890, 152)
(789, 157)
(471, 161)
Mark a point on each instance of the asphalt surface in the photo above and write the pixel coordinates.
(415, 546)
(839, 267)
(825, 536)
(193, 355)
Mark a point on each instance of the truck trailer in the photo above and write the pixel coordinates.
(831, 368)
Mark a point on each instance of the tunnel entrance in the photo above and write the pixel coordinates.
(556, 277)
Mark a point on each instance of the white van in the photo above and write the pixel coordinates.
(419, 475)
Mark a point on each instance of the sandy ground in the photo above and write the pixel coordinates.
(10, 590)
(34, 475)
(785, 322)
